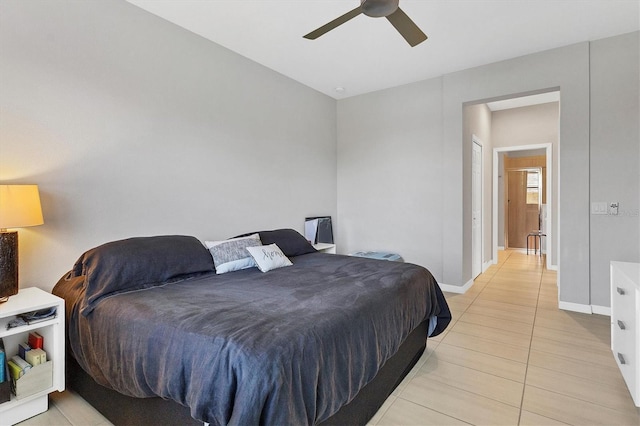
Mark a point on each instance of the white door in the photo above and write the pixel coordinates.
(476, 208)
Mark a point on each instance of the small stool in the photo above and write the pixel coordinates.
(537, 241)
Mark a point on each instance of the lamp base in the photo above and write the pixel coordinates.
(8, 265)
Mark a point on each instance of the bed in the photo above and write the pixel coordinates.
(155, 334)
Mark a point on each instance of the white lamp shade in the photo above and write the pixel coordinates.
(20, 206)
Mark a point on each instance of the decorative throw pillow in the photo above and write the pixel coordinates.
(269, 257)
(231, 255)
(291, 242)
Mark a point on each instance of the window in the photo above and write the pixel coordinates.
(533, 187)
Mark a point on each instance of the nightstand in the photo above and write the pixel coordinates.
(52, 332)
(325, 248)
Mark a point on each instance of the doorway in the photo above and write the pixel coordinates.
(499, 176)
(523, 205)
(529, 121)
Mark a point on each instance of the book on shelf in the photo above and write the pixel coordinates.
(36, 357)
(14, 370)
(24, 365)
(5, 385)
(23, 348)
(35, 340)
(2, 361)
(33, 357)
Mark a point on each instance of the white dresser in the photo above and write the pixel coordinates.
(625, 323)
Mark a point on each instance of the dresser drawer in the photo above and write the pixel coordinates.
(624, 308)
(623, 297)
(624, 347)
(625, 323)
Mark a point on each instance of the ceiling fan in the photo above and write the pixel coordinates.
(377, 9)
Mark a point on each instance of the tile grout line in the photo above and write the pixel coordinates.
(526, 369)
(53, 403)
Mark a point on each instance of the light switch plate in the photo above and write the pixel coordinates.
(599, 208)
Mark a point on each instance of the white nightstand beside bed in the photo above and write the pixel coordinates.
(325, 248)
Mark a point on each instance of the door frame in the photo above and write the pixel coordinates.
(550, 193)
(475, 271)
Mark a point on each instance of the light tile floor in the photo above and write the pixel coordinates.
(510, 356)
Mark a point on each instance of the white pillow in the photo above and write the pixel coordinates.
(231, 255)
(269, 257)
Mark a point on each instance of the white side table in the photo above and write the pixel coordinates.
(52, 331)
(325, 248)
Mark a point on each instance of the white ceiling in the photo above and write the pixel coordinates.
(367, 54)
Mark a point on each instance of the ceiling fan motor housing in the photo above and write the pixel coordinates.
(378, 8)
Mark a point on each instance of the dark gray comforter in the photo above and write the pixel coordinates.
(289, 346)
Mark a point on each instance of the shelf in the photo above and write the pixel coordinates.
(53, 332)
(23, 328)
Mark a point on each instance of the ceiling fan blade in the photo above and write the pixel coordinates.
(333, 24)
(407, 28)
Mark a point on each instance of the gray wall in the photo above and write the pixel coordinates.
(440, 129)
(615, 156)
(390, 173)
(133, 126)
(436, 129)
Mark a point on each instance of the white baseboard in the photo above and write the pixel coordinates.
(500, 247)
(585, 309)
(456, 288)
(575, 307)
(486, 265)
(601, 310)
(552, 267)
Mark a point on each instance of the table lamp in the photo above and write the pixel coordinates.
(19, 208)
